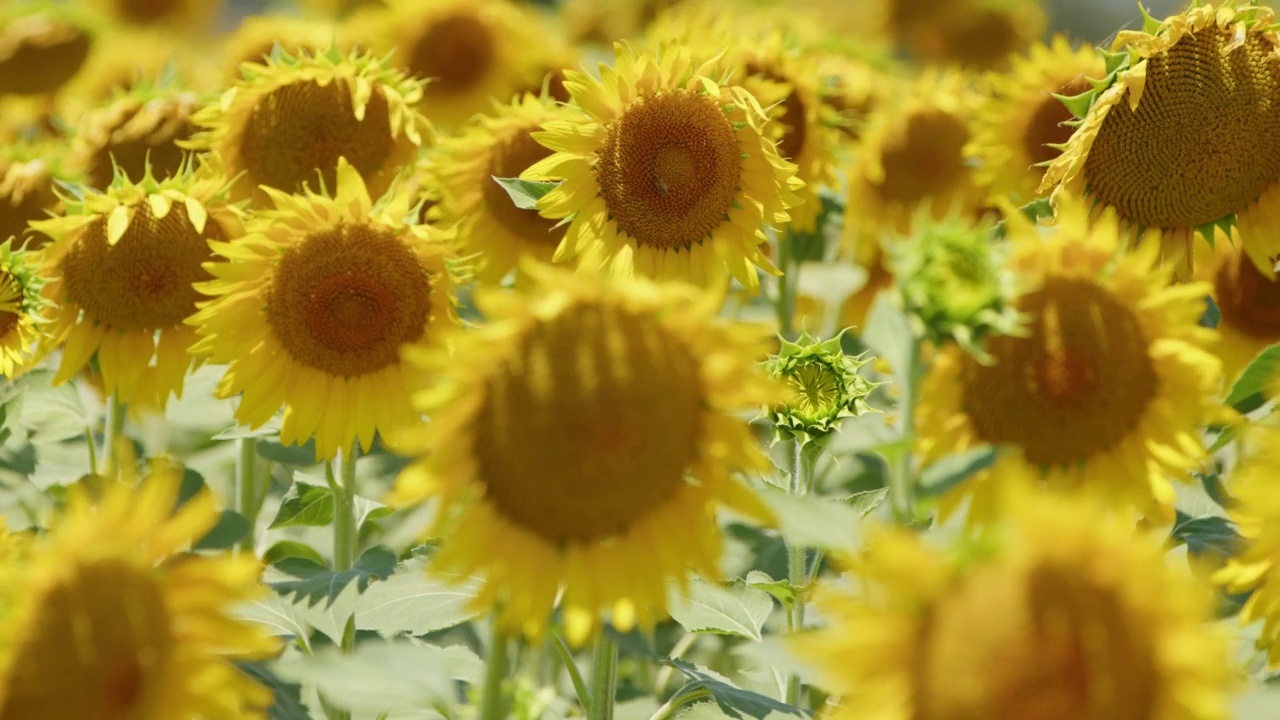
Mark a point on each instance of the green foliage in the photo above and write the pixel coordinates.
(733, 610)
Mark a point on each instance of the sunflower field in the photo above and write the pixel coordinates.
(638, 360)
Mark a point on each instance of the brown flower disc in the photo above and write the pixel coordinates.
(132, 153)
(669, 169)
(509, 159)
(344, 300)
(144, 281)
(589, 425)
(793, 114)
(1247, 300)
(1193, 152)
(149, 11)
(304, 127)
(1081, 381)
(455, 53)
(1047, 126)
(927, 160)
(9, 320)
(37, 199)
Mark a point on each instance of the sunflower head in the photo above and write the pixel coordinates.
(43, 44)
(1105, 387)
(1022, 122)
(111, 601)
(666, 172)
(825, 388)
(324, 290)
(953, 282)
(1058, 613)
(1142, 147)
(979, 34)
(255, 39)
(29, 175)
(121, 267)
(589, 426)
(287, 121)
(181, 15)
(136, 133)
(1248, 303)
(468, 52)
(459, 177)
(22, 311)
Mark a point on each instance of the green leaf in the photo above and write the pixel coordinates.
(814, 521)
(304, 504)
(952, 470)
(288, 701)
(868, 500)
(276, 614)
(314, 583)
(710, 608)
(735, 701)
(1255, 378)
(525, 193)
(1210, 534)
(292, 549)
(889, 335)
(49, 414)
(384, 677)
(781, 590)
(297, 455)
(703, 711)
(412, 602)
(231, 526)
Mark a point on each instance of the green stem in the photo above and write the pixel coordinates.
(111, 434)
(93, 453)
(604, 677)
(345, 536)
(678, 701)
(246, 490)
(901, 474)
(491, 705)
(802, 460)
(571, 667)
(784, 303)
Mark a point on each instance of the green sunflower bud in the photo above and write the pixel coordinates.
(825, 388)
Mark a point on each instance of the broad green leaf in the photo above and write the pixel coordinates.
(270, 428)
(382, 677)
(890, 336)
(50, 414)
(952, 470)
(231, 526)
(867, 501)
(1206, 534)
(781, 590)
(313, 583)
(525, 193)
(304, 504)
(288, 702)
(296, 455)
(704, 711)
(710, 608)
(814, 521)
(275, 613)
(291, 549)
(1255, 379)
(735, 701)
(412, 602)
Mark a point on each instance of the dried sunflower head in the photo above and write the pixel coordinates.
(288, 120)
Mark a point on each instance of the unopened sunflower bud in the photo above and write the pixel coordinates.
(825, 388)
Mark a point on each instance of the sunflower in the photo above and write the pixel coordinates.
(852, 89)
(666, 172)
(462, 172)
(1020, 125)
(181, 15)
(28, 175)
(1256, 511)
(108, 616)
(606, 23)
(470, 52)
(42, 46)
(310, 309)
(120, 270)
(979, 34)
(126, 58)
(22, 336)
(1060, 613)
(257, 35)
(580, 441)
(1176, 138)
(136, 132)
(1107, 388)
(1248, 303)
(287, 121)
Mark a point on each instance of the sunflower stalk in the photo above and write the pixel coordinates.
(604, 677)
(491, 700)
(803, 458)
(345, 535)
(111, 434)
(246, 490)
(902, 472)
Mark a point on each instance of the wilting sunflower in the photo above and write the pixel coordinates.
(28, 175)
(184, 15)
(666, 172)
(1177, 137)
(462, 169)
(289, 119)
(311, 307)
(42, 45)
(1256, 512)
(136, 131)
(120, 270)
(1107, 388)
(1061, 613)
(108, 616)
(580, 440)
(470, 52)
(1020, 125)
(21, 310)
